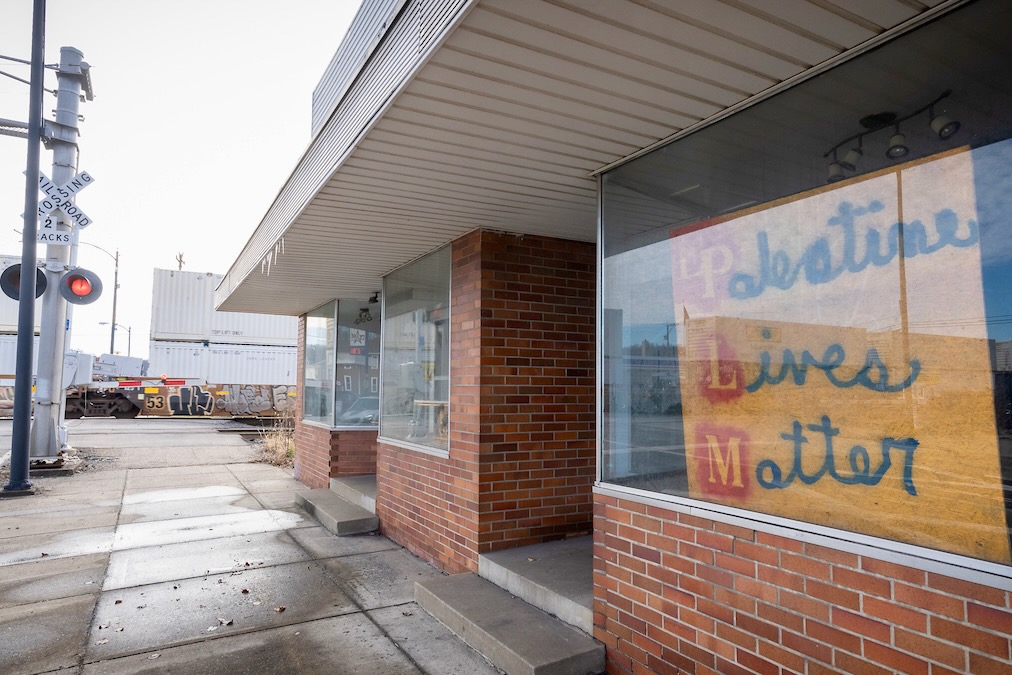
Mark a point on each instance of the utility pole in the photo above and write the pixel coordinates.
(72, 77)
(115, 290)
(19, 483)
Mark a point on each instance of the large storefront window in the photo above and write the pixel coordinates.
(833, 351)
(342, 364)
(416, 353)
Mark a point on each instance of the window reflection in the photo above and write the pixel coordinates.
(832, 353)
(342, 364)
(416, 350)
(318, 369)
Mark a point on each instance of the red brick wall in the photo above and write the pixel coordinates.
(429, 505)
(522, 406)
(322, 453)
(354, 452)
(677, 593)
(313, 455)
(537, 410)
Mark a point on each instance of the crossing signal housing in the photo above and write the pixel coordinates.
(10, 282)
(80, 286)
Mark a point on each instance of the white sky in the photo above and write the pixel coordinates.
(201, 111)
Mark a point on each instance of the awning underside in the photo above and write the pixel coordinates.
(503, 126)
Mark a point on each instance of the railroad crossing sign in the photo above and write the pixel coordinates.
(59, 196)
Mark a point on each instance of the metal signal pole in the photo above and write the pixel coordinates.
(72, 76)
(19, 483)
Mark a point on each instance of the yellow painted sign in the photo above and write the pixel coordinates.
(835, 366)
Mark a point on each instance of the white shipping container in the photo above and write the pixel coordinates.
(223, 363)
(254, 329)
(251, 364)
(177, 359)
(181, 305)
(182, 309)
(9, 308)
(9, 355)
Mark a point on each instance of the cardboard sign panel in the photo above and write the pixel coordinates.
(836, 367)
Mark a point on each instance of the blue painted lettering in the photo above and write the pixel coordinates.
(770, 475)
(873, 375)
(777, 270)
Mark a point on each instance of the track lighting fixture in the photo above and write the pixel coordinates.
(944, 127)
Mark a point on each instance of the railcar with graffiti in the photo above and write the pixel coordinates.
(130, 398)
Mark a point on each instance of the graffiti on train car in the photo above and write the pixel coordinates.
(220, 400)
(6, 400)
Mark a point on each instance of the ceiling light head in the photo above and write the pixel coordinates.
(944, 127)
(897, 146)
(850, 160)
(835, 172)
(374, 299)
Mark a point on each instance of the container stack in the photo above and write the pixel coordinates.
(190, 339)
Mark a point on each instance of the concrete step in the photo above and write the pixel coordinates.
(557, 577)
(516, 637)
(336, 514)
(360, 490)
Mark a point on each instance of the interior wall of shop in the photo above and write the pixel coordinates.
(521, 461)
(677, 591)
(323, 453)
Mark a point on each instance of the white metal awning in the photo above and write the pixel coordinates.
(497, 113)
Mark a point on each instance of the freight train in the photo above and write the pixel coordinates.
(201, 362)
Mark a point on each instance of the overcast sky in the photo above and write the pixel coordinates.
(201, 110)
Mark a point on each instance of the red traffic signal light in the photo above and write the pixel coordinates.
(10, 282)
(80, 286)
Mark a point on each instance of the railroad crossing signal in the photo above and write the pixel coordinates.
(10, 282)
(80, 286)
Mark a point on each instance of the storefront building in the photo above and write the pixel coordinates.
(724, 285)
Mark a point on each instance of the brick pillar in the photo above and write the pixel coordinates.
(522, 407)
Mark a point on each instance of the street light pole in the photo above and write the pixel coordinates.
(130, 332)
(115, 289)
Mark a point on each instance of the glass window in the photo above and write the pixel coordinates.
(416, 352)
(342, 360)
(806, 305)
(320, 359)
(358, 347)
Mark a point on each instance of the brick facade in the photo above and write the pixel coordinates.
(322, 453)
(676, 593)
(522, 407)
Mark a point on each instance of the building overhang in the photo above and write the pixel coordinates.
(496, 114)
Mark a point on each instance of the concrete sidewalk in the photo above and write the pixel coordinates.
(204, 568)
